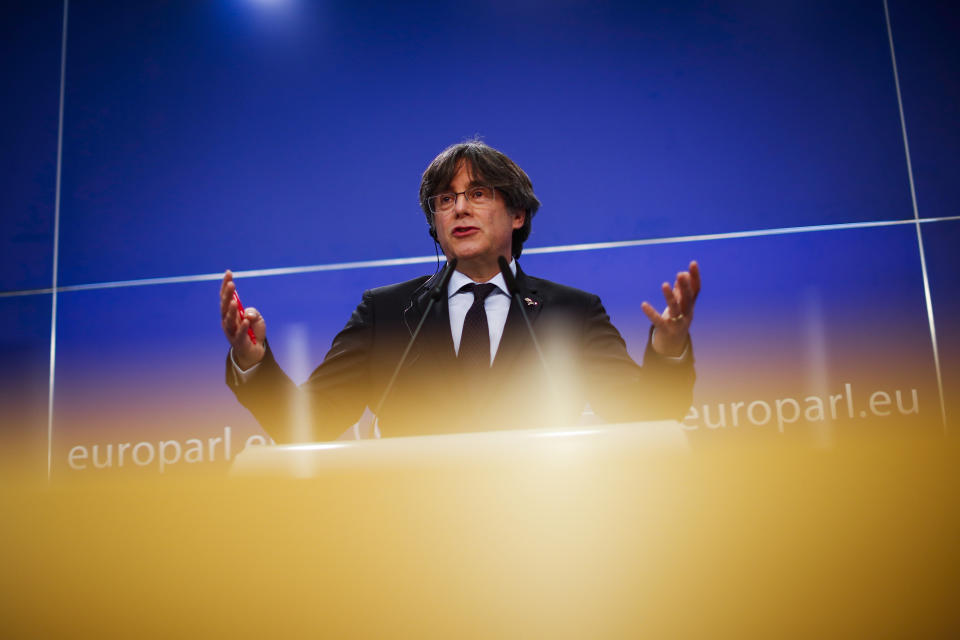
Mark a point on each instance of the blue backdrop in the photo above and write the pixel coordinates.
(763, 139)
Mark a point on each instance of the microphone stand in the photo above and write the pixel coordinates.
(435, 294)
(511, 282)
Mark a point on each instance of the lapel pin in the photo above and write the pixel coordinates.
(530, 303)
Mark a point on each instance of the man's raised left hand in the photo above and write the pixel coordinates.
(672, 327)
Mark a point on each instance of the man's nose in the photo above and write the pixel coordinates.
(460, 204)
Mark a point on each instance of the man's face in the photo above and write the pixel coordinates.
(476, 233)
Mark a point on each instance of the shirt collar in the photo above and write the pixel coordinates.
(457, 280)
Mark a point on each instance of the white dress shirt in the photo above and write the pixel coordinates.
(497, 306)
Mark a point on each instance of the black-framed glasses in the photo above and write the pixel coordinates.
(479, 195)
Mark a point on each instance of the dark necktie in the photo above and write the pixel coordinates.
(475, 339)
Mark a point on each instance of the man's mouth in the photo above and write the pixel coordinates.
(460, 232)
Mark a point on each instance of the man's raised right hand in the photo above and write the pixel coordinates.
(245, 353)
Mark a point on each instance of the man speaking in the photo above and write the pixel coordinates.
(481, 347)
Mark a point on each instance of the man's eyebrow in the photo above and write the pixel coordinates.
(473, 183)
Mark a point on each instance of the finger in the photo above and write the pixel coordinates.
(227, 277)
(686, 292)
(251, 322)
(240, 338)
(228, 305)
(252, 315)
(695, 277)
(226, 296)
(231, 318)
(256, 322)
(651, 313)
(671, 298)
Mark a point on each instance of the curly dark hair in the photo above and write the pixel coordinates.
(490, 166)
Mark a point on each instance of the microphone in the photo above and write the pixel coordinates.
(435, 295)
(511, 282)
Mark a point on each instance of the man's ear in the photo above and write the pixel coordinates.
(519, 217)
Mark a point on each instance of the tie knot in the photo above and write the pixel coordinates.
(480, 291)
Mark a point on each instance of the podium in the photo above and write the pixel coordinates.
(529, 447)
(615, 531)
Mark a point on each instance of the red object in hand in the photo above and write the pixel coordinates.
(253, 338)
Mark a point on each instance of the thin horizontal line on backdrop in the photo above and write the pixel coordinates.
(395, 262)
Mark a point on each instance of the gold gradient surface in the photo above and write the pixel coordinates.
(573, 536)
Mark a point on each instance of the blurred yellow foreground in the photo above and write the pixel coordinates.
(595, 533)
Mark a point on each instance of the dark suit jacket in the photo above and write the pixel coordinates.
(588, 362)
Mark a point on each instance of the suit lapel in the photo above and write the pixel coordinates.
(435, 335)
(516, 337)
